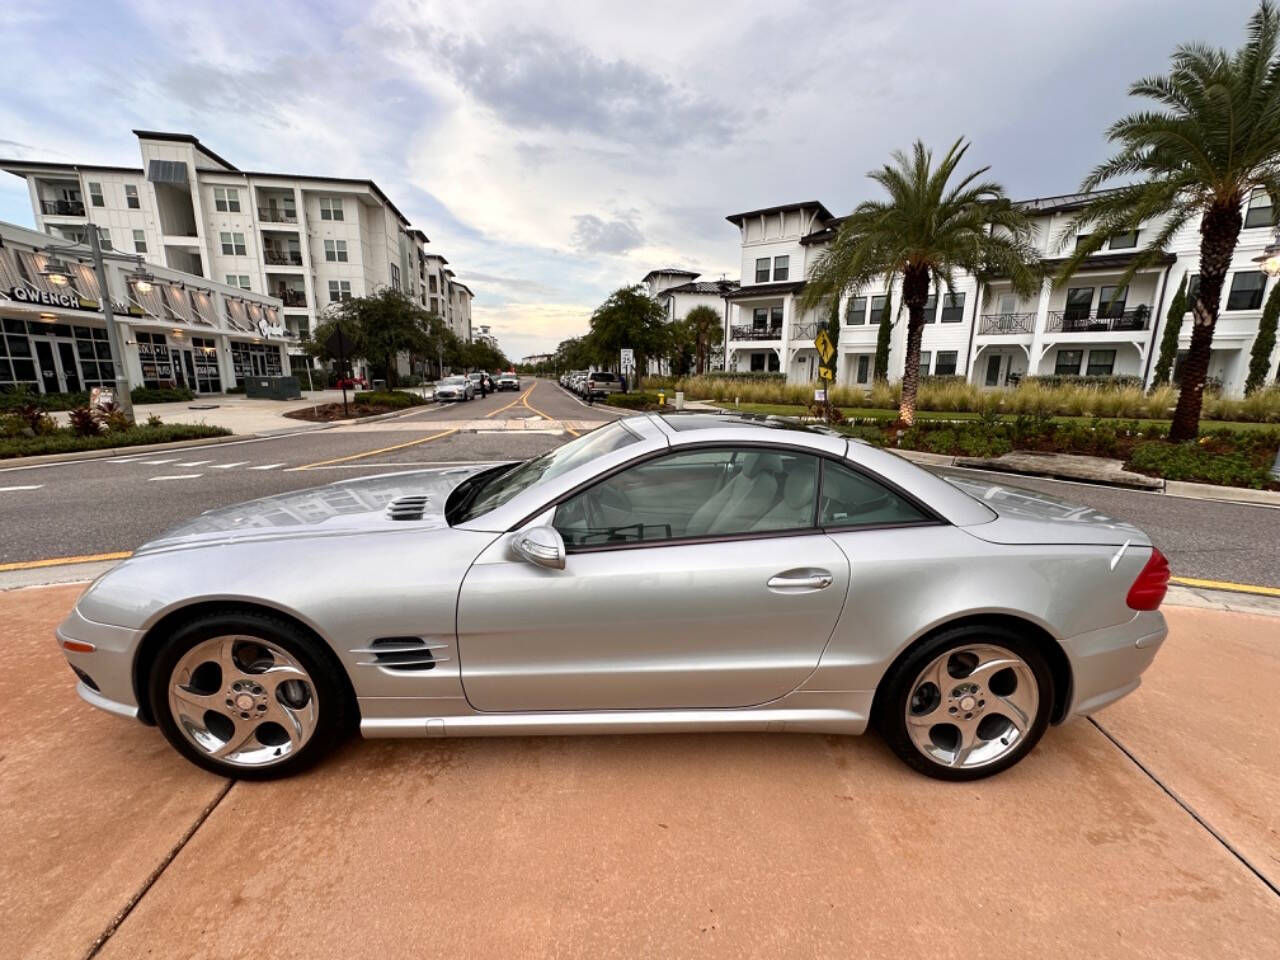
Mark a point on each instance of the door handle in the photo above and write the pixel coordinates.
(816, 581)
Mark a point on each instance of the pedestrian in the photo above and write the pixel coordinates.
(484, 392)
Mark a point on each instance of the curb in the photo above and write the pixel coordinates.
(44, 458)
(1119, 478)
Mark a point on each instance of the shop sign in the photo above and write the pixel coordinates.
(270, 329)
(66, 301)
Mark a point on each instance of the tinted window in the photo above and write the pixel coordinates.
(601, 377)
(700, 493)
(850, 499)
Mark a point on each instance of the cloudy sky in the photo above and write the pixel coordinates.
(556, 151)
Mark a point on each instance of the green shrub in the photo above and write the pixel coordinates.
(633, 401)
(1195, 461)
(17, 399)
(397, 399)
(1107, 382)
(67, 441)
(84, 423)
(161, 394)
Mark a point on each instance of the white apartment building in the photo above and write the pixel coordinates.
(307, 240)
(679, 291)
(1088, 326)
(176, 329)
(483, 335)
(445, 296)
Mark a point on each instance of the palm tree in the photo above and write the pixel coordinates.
(706, 328)
(925, 232)
(1215, 140)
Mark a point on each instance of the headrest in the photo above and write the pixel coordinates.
(800, 488)
(763, 463)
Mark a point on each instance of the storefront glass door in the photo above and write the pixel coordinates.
(70, 369)
(46, 369)
(56, 365)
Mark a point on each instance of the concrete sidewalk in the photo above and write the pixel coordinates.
(715, 845)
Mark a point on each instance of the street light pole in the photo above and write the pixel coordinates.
(123, 397)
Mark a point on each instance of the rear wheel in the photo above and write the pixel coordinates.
(967, 703)
(247, 695)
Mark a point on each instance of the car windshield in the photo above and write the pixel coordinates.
(603, 377)
(487, 491)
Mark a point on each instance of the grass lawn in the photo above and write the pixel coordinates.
(795, 410)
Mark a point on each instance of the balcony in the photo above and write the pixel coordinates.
(1006, 324)
(806, 331)
(293, 298)
(1098, 321)
(755, 333)
(277, 215)
(282, 258)
(62, 208)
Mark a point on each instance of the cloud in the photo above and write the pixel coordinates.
(593, 235)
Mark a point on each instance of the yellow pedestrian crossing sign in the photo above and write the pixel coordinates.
(826, 373)
(826, 349)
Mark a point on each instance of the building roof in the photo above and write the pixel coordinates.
(717, 287)
(185, 138)
(6, 164)
(670, 272)
(823, 213)
(1062, 203)
(415, 232)
(765, 290)
(824, 234)
(462, 286)
(1110, 261)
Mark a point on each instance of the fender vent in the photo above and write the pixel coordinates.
(408, 508)
(402, 653)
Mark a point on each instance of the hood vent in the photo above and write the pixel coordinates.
(402, 653)
(410, 507)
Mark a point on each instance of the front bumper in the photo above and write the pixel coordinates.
(109, 666)
(1107, 664)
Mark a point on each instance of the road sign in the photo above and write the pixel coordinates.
(628, 358)
(826, 349)
(339, 344)
(826, 373)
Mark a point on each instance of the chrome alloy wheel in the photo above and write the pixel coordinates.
(243, 700)
(972, 705)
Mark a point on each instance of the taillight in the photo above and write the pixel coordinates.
(1149, 589)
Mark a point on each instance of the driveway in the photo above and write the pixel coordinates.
(1153, 833)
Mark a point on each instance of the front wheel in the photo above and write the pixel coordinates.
(967, 703)
(247, 695)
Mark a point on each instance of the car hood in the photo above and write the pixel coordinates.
(336, 509)
(1029, 516)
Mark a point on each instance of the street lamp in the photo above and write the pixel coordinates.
(56, 272)
(141, 280)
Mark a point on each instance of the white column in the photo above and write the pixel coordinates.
(1038, 333)
(788, 315)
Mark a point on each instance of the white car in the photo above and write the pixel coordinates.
(454, 388)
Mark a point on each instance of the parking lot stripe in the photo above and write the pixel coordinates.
(176, 476)
(1226, 585)
(228, 466)
(195, 463)
(267, 466)
(60, 561)
(370, 453)
(156, 463)
(29, 486)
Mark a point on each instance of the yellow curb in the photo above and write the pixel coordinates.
(1226, 585)
(60, 561)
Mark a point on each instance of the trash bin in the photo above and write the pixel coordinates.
(273, 388)
(379, 384)
(679, 399)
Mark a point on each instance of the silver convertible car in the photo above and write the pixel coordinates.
(662, 573)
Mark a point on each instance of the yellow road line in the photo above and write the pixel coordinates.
(525, 400)
(1226, 585)
(370, 453)
(523, 397)
(60, 561)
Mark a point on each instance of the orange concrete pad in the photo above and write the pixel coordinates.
(1206, 723)
(90, 805)
(728, 845)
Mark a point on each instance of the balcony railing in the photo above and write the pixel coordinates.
(999, 324)
(272, 215)
(755, 333)
(62, 208)
(293, 298)
(283, 258)
(805, 331)
(1106, 321)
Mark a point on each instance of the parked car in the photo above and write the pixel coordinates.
(351, 383)
(661, 573)
(508, 381)
(571, 380)
(454, 388)
(602, 383)
(477, 377)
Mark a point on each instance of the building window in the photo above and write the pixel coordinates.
(1079, 304)
(205, 354)
(1101, 363)
(1112, 301)
(1067, 363)
(1081, 238)
(1123, 241)
(226, 199)
(946, 365)
(335, 251)
(331, 208)
(232, 244)
(105, 234)
(1193, 291)
(1246, 290)
(931, 308)
(395, 276)
(856, 314)
(952, 308)
(877, 308)
(300, 327)
(139, 241)
(95, 195)
(131, 196)
(781, 268)
(775, 318)
(762, 270)
(864, 368)
(435, 305)
(153, 357)
(339, 290)
(431, 284)
(925, 358)
(240, 280)
(1260, 212)
(17, 364)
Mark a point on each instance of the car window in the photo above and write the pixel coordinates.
(852, 499)
(492, 489)
(700, 493)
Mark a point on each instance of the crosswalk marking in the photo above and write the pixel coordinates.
(29, 486)
(228, 466)
(177, 476)
(267, 466)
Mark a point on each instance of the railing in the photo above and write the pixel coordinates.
(272, 215)
(293, 298)
(755, 333)
(283, 257)
(806, 331)
(1067, 321)
(62, 208)
(998, 324)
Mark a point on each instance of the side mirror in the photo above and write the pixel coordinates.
(542, 546)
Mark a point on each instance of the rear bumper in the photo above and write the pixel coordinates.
(1107, 664)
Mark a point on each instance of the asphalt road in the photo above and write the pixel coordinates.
(79, 508)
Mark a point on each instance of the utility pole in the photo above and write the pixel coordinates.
(123, 397)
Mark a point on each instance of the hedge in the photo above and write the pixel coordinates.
(64, 441)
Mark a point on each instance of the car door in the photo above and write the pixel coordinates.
(696, 579)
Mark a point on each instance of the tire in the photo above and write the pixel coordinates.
(318, 708)
(980, 699)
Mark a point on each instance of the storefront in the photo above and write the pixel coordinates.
(178, 330)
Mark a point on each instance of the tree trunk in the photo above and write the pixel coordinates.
(1219, 231)
(915, 291)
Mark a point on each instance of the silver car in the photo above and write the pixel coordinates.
(661, 573)
(454, 388)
